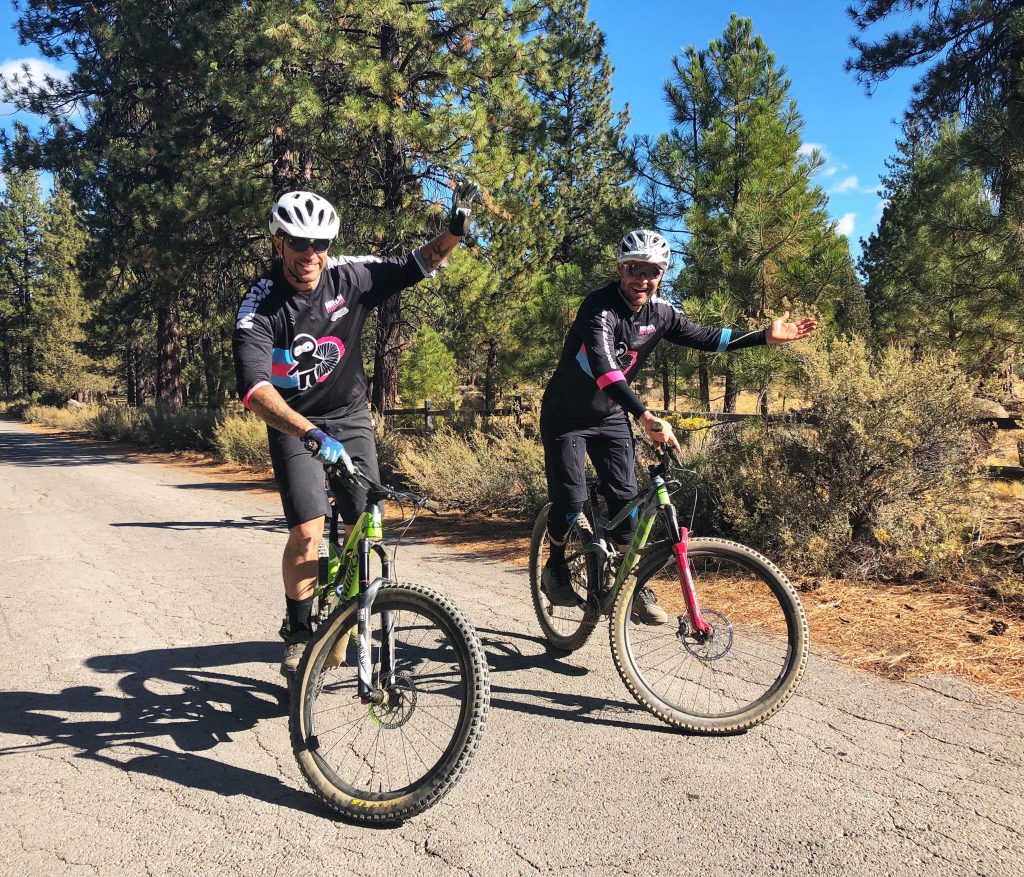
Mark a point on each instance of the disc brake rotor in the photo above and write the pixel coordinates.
(713, 647)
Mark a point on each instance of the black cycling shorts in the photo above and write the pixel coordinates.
(300, 476)
(609, 444)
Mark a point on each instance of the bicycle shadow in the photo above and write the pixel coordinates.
(264, 523)
(184, 694)
(506, 656)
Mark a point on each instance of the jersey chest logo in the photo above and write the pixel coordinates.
(307, 362)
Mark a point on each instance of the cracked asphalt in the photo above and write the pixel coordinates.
(143, 727)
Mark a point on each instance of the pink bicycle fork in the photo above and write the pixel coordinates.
(686, 584)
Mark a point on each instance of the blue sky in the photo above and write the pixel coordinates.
(809, 37)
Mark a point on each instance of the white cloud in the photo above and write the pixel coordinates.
(13, 72)
(846, 184)
(38, 68)
(845, 224)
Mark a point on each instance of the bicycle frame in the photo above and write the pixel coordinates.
(353, 580)
(656, 500)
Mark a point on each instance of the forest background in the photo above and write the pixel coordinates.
(182, 120)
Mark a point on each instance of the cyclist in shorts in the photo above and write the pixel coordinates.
(588, 398)
(299, 365)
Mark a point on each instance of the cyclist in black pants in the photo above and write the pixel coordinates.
(586, 401)
(299, 365)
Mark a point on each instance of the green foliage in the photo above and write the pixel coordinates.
(428, 372)
(879, 487)
(944, 267)
(759, 235)
(499, 471)
(242, 439)
(971, 54)
(157, 427)
(119, 423)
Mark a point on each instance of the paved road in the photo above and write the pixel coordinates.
(142, 729)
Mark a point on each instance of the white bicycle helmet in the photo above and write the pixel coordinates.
(644, 245)
(304, 215)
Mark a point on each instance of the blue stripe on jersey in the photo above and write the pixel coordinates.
(723, 340)
(581, 358)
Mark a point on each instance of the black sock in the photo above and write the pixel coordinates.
(299, 612)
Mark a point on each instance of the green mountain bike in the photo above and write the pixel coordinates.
(390, 699)
(736, 643)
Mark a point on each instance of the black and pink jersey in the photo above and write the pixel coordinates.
(608, 345)
(309, 346)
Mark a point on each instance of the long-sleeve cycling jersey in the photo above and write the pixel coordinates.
(309, 346)
(608, 345)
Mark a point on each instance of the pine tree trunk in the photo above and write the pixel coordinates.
(492, 364)
(210, 373)
(731, 391)
(704, 380)
(388, 340)
(666, 384)
(131, 374)
(168, 367)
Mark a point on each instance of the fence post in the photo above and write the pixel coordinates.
(428, 415)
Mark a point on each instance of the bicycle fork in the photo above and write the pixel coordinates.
(679, 537)
(369, 693)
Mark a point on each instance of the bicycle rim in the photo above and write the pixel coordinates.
(566, 628)
(739, 676)
(390, 761)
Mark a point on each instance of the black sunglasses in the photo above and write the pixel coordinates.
(644, 269)
(300, 245)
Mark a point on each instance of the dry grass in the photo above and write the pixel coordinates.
(904, 631)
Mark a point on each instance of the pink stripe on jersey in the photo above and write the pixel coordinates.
(610, 378)
(253, 389)
(281, 368)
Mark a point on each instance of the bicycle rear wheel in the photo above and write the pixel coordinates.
(745, 671)
(566, 628)
(387, 762)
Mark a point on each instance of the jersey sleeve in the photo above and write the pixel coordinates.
(680, 330)
(597, 357)
(252, 346)
(380, 278)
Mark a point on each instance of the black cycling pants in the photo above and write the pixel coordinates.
(609, 444)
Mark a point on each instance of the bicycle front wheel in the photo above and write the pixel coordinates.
(566, 628)
(734, 679)
(387, 762)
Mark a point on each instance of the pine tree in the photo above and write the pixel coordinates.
(973, 55)
(758, 237)
(21, 215)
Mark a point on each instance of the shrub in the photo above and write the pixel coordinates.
(242, 439)
(60, 418)
(180, 429)
(878, 486)
(500, 471)
(119, 423)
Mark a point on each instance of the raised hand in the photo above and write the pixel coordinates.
(462, 207)
(783, 330)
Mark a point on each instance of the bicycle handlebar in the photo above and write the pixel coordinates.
(340, 470)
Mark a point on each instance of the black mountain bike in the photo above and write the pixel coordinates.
(735, 646)
(390, 698)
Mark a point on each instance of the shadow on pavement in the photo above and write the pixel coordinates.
(188, 695)
(36, 449)
(504, 656)
(267, 523)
